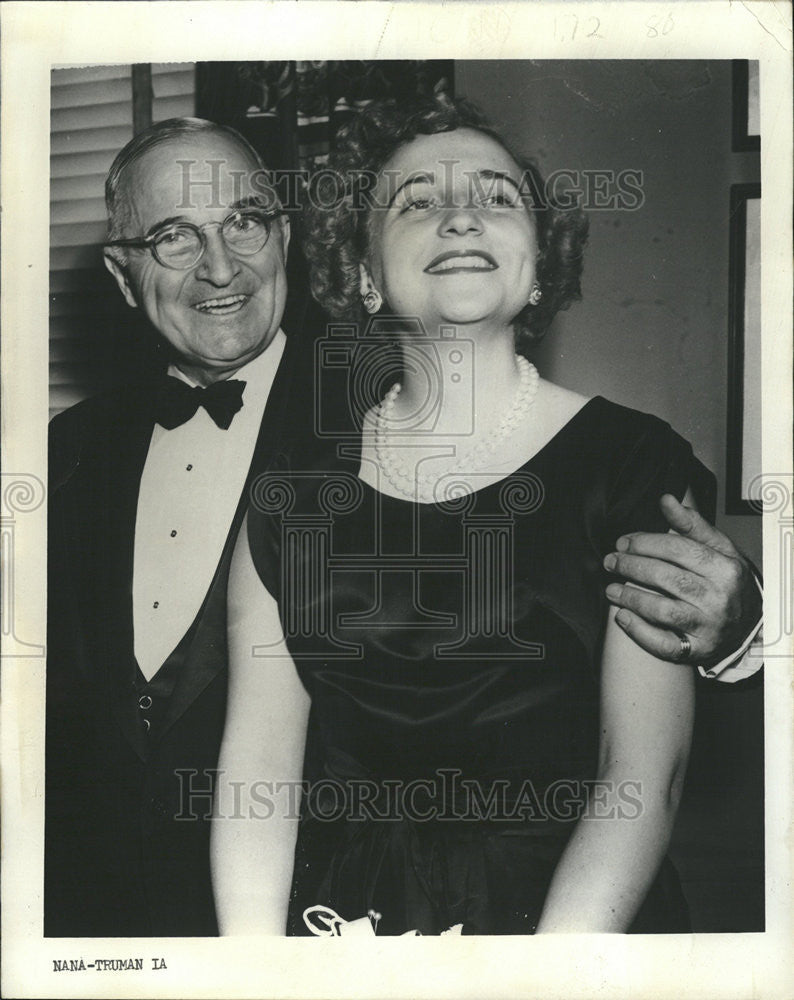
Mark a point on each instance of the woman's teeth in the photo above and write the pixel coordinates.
(220, 307)
(475, 262)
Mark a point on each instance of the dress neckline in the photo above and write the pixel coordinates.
(558, 434)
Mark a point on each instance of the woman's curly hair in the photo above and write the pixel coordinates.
(337, 231)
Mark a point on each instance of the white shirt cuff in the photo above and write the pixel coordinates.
(745, 661)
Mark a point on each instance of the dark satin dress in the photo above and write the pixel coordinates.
(451, 651)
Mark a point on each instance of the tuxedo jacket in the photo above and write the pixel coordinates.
(127, 813)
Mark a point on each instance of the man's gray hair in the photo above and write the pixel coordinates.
(118, 207)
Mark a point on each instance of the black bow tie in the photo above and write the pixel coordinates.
(177, 401)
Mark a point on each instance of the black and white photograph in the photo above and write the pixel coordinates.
(399, 543)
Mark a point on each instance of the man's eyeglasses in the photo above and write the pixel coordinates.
(181, 245)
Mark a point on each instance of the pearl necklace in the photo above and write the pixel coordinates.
(420, 485)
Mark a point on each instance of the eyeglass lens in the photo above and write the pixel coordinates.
(182, 245)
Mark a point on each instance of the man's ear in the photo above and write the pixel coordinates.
(285, 233)
(119, 272)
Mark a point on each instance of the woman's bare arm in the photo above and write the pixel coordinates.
(647, 714)
(261, 761)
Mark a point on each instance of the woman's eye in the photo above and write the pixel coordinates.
(499, 200)
(420, 204)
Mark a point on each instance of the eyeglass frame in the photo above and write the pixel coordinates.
(149, 242)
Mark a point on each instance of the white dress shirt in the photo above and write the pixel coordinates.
(191, 484)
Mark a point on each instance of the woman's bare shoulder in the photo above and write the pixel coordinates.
(558, 403)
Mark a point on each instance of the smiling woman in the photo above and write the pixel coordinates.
(479, 720)
(480, 260)
(502, 179)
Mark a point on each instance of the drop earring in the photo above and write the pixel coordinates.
(372, 301)
(535, 295)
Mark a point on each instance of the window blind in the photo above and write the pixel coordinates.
(91, 119)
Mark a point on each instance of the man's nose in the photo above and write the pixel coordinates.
(458, 220)
(218, 264)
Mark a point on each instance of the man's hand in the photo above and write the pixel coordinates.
(704, 589)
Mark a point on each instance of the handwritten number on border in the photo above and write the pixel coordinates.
(567, 25)
(656, 26)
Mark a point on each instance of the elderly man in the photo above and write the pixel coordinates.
(147, 493)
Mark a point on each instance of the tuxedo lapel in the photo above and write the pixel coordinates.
(203, 650)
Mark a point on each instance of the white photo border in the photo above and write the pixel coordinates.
(38, 36)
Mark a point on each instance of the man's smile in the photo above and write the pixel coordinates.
(222, 306)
